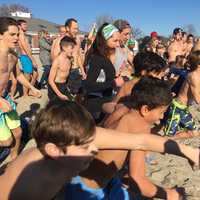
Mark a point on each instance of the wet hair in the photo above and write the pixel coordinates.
(5, 22)
(177, 30)
(99, 46)
(121, 24)
(20, 22)
(150, 91)
(66, 41)
(148, 61)
(69, 21)
(184, 33)
(193, 60)
(190, 35)
(62, 123)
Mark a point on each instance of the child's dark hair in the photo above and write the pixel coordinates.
(148, 61)
(149, 91)
(21, 21)
(69, 22)
(5, 22)
(62, 123)
(66, 41)
(193, 60)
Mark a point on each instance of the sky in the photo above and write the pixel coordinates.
(148, 15)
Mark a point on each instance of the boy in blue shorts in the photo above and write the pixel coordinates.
(29, 65)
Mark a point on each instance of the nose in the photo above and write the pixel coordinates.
(117, 44)
(17, 37)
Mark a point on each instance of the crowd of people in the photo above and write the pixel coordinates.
(107, 101)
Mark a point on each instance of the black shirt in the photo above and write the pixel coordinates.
(97, 64)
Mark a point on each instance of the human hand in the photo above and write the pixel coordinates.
(63, 97)
(84, 75)
(35, 92)
(5, 105)
(176, 194)
(119, 81)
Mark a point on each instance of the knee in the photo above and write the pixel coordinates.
(6, 143)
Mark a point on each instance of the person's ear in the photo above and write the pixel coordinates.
(52, 150)
(143, 72)
(1, 36)
(144, 110)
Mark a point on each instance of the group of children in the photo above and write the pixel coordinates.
(74, 158)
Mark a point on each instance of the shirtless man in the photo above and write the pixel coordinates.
(65, 143)
(176, 47)
(29, 65)
(101, 180)
(178, 117)
(71, 26)
(9, 119)
(60, 70)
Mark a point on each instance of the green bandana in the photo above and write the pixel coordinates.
(130, 41)
(108, 31)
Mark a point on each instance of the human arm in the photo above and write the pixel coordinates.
(80, 63)
(120, 111)
(53, 47)
(4, 74)
(137, 172)
(22, 79)
(105, 137)
(194, 87)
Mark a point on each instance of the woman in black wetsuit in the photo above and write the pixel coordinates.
(101, 81)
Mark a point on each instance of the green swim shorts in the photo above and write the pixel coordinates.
(8, 121)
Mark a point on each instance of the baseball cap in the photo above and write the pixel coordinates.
(154, 34)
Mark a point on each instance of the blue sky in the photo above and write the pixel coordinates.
(148, 15)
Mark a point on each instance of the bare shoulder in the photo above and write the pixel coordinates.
(56, 61)
(193, 79)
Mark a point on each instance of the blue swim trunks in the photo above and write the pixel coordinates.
(27, 65)
(77, 190)
(178, 118)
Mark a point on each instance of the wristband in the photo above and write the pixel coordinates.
(160, 193)
(172, 147)
(181, 191)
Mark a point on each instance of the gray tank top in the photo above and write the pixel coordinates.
(121, 58)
